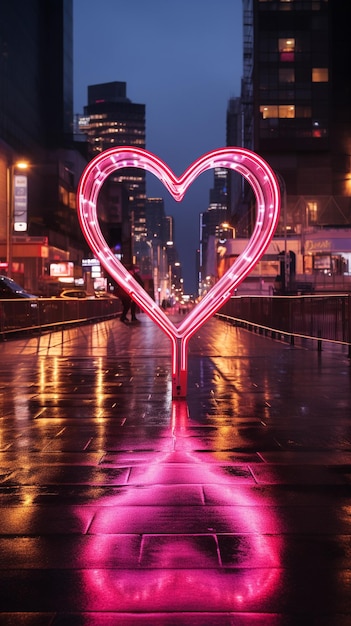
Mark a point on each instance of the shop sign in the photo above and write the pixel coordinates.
(318, 245)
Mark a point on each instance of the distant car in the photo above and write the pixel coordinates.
(75, 293)
(10, 289)
(105, 295)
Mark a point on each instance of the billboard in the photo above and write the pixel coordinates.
(20, 197)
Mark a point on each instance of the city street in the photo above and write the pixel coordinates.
(122, 507)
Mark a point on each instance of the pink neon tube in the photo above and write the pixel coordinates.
(266, 188)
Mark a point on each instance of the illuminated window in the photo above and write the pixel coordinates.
(268, 112)
(63, 195)
(311, 212)
(320, 75)
(72, 200)
(287, 110)
(286, 50)
(275, 111)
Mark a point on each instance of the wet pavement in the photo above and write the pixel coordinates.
(120, 506)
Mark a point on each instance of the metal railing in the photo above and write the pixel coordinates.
(51, 313)
(317, 317)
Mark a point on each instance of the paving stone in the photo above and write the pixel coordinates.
(121, 507)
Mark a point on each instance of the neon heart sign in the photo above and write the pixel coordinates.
(266, 188)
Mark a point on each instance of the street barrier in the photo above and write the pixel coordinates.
(41, 314)
(317, 317)
(322, 318)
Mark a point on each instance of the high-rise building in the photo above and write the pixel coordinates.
(235, 182)
(155, 214)
(166, 268)
(36, 116)
(296, 100)
(211, 224)
(36, 74)
(295, 111)
(111, 120)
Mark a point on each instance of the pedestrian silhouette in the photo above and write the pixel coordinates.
(127, 302)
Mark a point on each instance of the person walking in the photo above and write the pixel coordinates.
(135, 272)
(126, 301)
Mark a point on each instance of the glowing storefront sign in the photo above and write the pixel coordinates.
(266, 188)
(318, 245)
(90, 263)
(20, 188)
(63, 268)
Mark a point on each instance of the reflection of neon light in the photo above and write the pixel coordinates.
(111, 581)
(266, 189)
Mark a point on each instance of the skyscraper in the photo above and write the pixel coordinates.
(296, 101)
(166, 268)
(112, 120)
(36, 116)
(211, 224)
(36, 74)
(295, 111)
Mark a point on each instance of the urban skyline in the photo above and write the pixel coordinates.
(293, 110)
(167, 459)
(183, 69)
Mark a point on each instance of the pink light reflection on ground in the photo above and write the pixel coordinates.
(266, 189)
(199, 582)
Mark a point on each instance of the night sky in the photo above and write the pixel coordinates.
(183, 60)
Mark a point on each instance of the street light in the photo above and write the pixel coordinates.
(10, 200)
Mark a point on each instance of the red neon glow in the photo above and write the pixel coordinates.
(266, 188)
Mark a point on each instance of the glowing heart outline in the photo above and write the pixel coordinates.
(266, 188)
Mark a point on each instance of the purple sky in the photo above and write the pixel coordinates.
(183, 60)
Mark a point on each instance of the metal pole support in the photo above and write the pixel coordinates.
(180, 368)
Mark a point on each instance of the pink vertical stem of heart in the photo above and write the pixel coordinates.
(180, 368)
(265, 186)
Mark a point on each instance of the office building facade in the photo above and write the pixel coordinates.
(296, 113)
(36, 115)
(111, 120)
(36, 74)
(212, 224)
